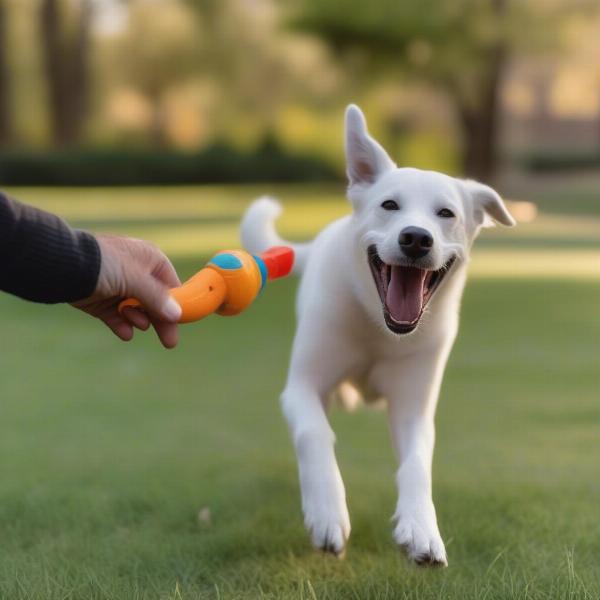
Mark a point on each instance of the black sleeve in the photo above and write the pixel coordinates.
(42, 258)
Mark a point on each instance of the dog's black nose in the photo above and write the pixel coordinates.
(415, 242)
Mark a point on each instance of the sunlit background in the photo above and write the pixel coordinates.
(131, 472)
(458, 86)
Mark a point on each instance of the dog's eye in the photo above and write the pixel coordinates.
(445, 213)
(390, 205)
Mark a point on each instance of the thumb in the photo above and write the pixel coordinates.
(154, 297)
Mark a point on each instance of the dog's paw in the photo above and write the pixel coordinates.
(329, 527)
(329, 532)
(421, 542)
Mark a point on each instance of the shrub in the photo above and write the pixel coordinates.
(217, 164)
(543, 161)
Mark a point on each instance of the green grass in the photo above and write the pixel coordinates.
(108, 451)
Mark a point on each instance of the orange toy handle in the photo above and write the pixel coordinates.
(228, 284)
(199, 296)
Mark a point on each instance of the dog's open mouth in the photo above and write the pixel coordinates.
(404, 290)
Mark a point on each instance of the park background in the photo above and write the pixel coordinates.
(127, 471)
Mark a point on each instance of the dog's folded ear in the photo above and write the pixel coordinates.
(488, 206)
(366, 160)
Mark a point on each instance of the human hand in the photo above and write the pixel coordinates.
(138, 269)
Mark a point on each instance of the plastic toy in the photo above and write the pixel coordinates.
(228, 284)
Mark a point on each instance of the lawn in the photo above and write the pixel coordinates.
(130, 472)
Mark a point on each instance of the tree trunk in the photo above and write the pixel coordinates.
(158, 131)
(66, 71)
(480, 121)
(480, 134)
(6, 130)
(79, 80)
(54, 71)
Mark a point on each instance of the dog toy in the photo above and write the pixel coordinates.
(228, 284)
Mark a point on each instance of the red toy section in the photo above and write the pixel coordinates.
(279, 261)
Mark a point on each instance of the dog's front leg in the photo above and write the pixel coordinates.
(323, 495)
(412, 387)
(317, 363)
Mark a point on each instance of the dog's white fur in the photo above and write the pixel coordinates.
(342, 342)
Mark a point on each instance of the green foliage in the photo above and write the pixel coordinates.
(218, 163)
(444, 43)
(431, 39)
(542, 160)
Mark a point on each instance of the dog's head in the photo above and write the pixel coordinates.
(414, 226)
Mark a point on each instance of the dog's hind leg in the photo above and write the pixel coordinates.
(316, 366)
(347, 396)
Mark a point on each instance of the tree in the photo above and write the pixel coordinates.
(252, 64)
(66, 68)
(6, 132)
(158, 51)
(459, 46)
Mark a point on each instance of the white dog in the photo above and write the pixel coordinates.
(377, 315)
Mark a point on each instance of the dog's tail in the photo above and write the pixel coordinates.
(258, 231)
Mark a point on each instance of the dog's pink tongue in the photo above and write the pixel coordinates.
(404, 297)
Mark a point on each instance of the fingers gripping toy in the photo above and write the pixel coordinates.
(228, 284)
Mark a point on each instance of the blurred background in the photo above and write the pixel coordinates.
(255, 89)
(131, 472)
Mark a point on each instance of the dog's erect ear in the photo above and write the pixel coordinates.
(366, 160)
(488, 205)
